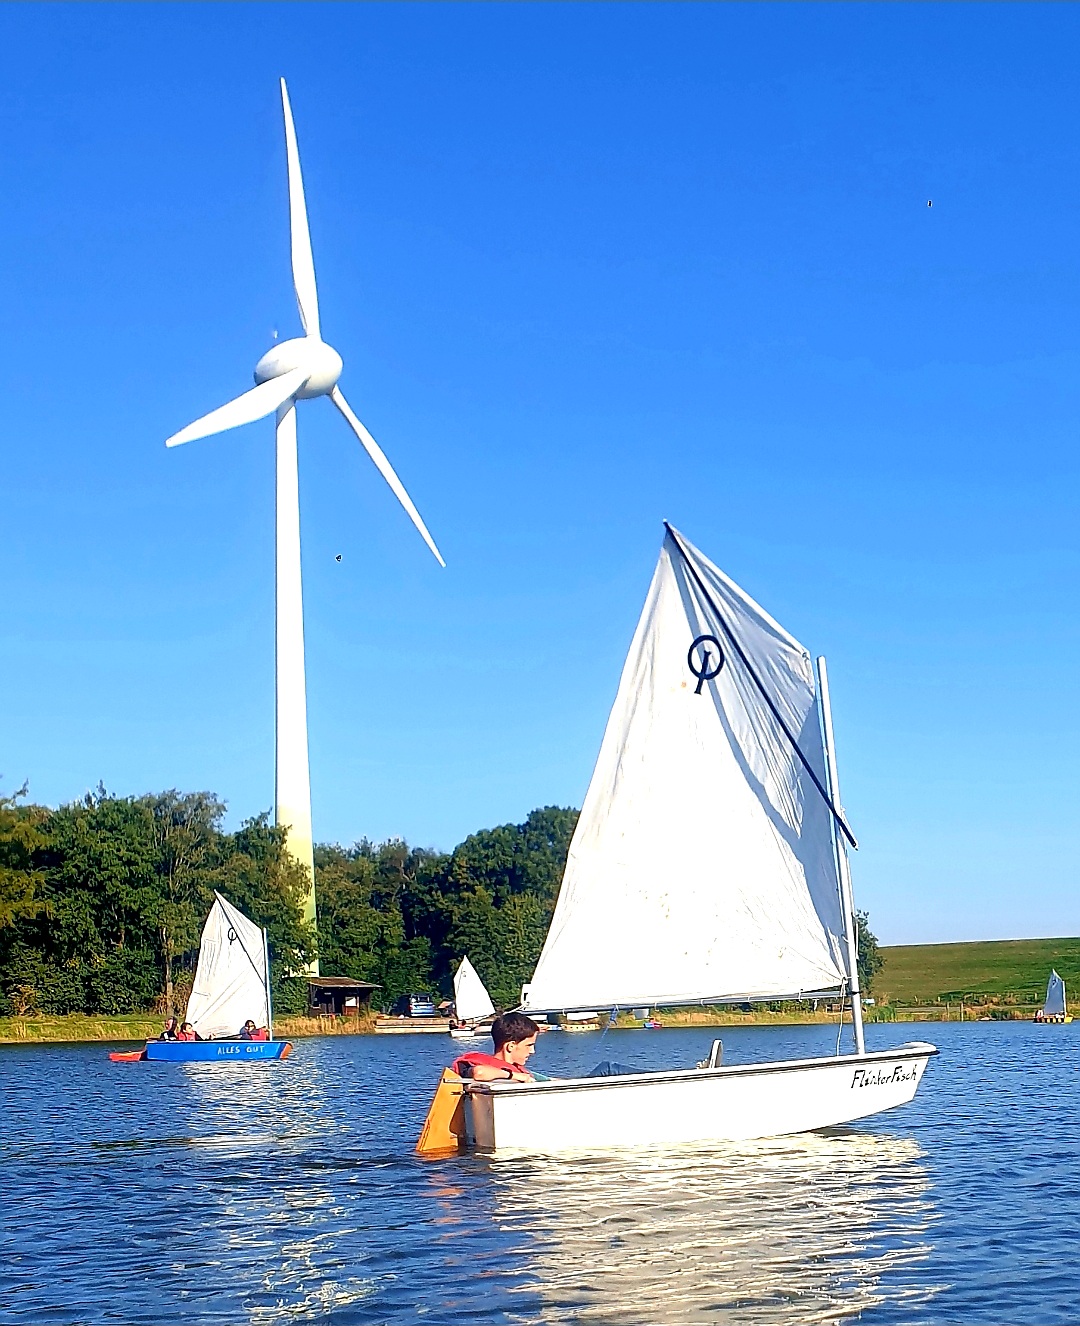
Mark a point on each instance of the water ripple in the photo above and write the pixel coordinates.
(152, 1195)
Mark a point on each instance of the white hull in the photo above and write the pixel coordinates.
(696, 1105)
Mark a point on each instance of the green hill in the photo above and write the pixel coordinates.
(922, 973)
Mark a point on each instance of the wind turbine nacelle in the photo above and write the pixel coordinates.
(308, 352)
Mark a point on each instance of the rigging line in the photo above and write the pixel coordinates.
(263, 976)
(610, 1023)
(836, 814)
(607, 1027)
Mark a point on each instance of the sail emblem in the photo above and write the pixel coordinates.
(710, 649)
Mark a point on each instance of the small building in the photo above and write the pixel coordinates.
(339, 996)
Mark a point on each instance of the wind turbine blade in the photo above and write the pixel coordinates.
(254, 404)
(303, 264)
(385, 469)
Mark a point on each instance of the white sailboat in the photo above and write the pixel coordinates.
(1055, 1009)
(709, 865)
(472, 1003)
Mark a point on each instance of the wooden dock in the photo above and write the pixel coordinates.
(386, 1026)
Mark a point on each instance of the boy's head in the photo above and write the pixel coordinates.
(510, 1028)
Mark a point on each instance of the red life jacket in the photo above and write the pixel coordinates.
(467, 1061)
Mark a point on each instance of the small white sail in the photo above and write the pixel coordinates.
(231, 978)
(1055, 997)
(472, 1003)
(703, 865)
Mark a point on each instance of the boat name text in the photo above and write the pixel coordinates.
(884, 1077)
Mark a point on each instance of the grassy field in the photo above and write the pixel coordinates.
(77, 1027)
(1016, 968)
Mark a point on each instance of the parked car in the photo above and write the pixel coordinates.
(415, 1006)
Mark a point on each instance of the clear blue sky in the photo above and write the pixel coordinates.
(589, 267)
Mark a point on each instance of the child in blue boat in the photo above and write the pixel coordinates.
(168, 1032)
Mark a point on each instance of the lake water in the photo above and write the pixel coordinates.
(277, 1193)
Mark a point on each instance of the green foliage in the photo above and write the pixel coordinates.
(403, 918)
(498, 890)
(289, 993)
(20, 837)
(869, 959)
(377, 910)
(103, 900)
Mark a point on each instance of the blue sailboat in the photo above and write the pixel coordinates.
(231, 990)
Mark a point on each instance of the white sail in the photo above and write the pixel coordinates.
(1055, 997)
(472, 1003)
(231, 978)
(703, 864)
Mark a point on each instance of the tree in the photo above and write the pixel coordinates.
(102, 902)
(498, 890)
(378, 913)
(185, 831)
(95, 950)
(20, 838)
(870, 960)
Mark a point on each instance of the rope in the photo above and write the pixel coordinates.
(610, 1023)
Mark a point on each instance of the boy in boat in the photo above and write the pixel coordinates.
(514, 1035)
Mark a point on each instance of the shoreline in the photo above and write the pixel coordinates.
(83, 1028)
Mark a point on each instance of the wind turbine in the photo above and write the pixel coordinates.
(296, 370)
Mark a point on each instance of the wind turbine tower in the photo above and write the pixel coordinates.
(296, 370)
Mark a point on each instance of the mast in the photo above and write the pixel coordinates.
(269, 1004)
(293, 789)
(847, 903)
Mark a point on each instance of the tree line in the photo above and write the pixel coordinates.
(102, 902)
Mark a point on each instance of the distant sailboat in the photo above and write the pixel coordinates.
(472, 1003)
(231, 987)
(1055, 1008)
(708, 865)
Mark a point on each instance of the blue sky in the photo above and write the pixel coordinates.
(589, 267)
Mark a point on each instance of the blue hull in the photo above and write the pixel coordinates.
(229, 1052)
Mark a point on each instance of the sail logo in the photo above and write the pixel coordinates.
(702, 666)
(883, 1077)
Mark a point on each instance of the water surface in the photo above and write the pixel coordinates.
(288, 1192)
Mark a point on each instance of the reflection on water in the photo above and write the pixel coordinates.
(291, 1231)
(803, 1229)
